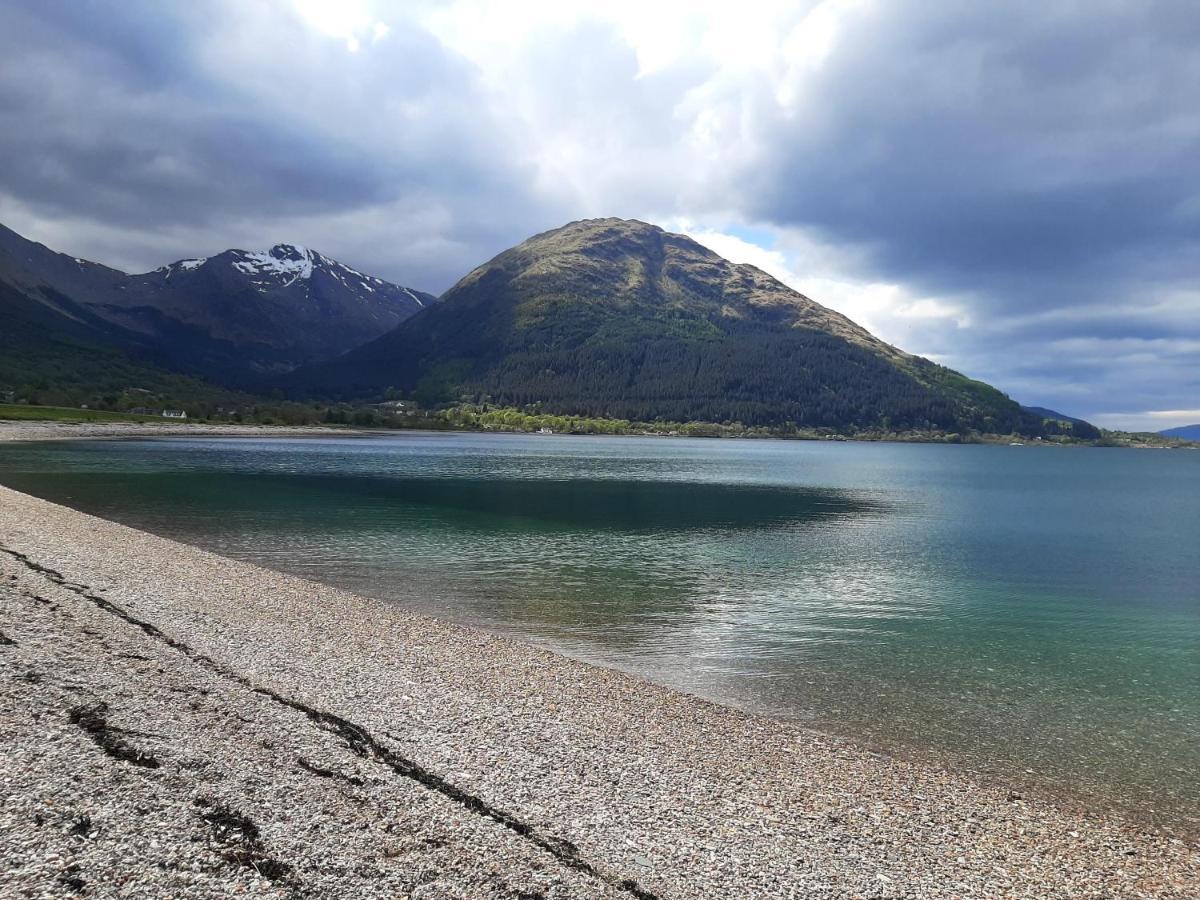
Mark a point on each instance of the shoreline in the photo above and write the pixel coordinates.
(12, 430)
(434, 753)
(1006, 777)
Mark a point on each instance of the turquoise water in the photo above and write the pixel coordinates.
(1031, 612)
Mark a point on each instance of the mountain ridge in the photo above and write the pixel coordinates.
(234, 317)
(604, 318)
(1187, 432)
(1046, 413)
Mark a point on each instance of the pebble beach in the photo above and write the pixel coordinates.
(179, 724)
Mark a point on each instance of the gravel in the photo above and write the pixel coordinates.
(177, 724)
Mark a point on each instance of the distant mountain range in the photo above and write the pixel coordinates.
(603, 318)
(1187, 432)
(235, 318)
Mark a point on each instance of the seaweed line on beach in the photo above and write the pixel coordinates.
(93, 720)
(322, 772)
(359, 740)
(242, 843)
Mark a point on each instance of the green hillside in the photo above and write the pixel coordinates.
(620, 319)
(54, 358)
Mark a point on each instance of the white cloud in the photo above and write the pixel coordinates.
(351, 21)
(828, 274)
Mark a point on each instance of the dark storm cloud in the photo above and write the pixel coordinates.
(1031, 151)
(140, 117)
(104, 113)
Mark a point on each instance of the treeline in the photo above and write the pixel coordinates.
(785, 377)
(531, 420)
(128, 389)
(486, 417)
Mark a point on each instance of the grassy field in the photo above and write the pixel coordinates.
(23, 412)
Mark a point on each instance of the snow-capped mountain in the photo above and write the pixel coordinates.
(285, 265)
(237, 317)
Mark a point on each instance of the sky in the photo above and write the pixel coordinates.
(1010, 189)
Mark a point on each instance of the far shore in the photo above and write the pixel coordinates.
(186, 725)
(50, 430)
(17, 430)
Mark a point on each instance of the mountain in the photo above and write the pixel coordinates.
(1045, 413)
(233, 318)
(1187, 432)
(1053, 422)
(615, 318)
(61, 355)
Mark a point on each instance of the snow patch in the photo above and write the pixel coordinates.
(285, 264)
(283, 260)
(354, 272)
(188, 264)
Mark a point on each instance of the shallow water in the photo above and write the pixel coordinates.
(1032, 611)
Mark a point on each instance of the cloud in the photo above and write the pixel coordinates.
(1150, 420)
(1019, 150)
(1012, 190)
(153, 130)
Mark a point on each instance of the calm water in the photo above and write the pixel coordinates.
(1034, 612)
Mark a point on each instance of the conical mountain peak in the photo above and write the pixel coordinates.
(619, 318)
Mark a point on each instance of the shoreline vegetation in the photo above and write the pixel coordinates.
(403, 416)
(237, 730)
